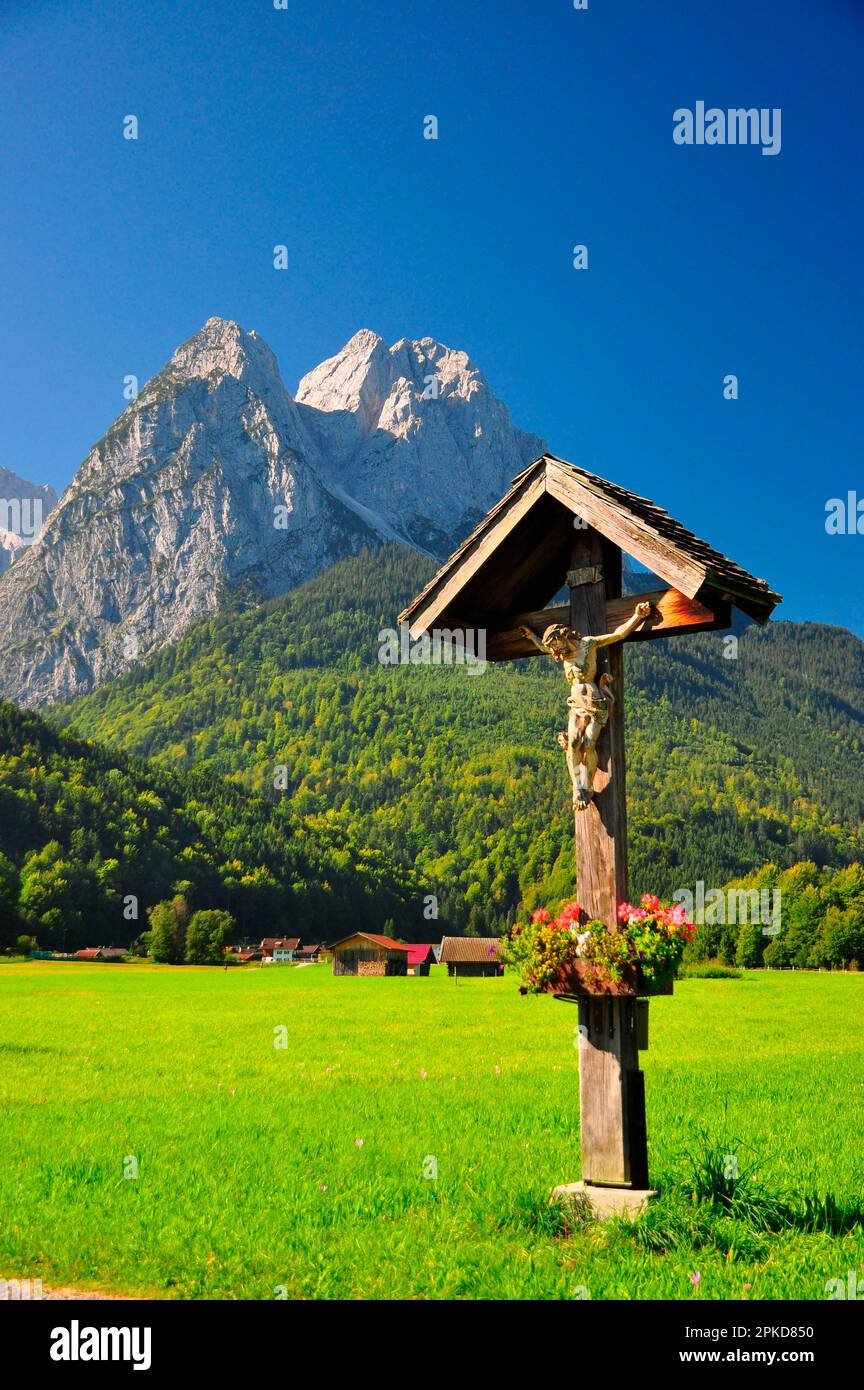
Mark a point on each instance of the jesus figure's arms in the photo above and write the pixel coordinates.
(532, 637)
(607, 639)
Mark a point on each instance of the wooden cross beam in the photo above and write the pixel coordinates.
(675, 613)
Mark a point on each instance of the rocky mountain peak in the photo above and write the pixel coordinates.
(216, 486)
(222, 348)
(357, 379)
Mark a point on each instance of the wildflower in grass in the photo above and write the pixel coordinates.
(695, 1278)
(358, 1143)
(323, 1187)
(423, 1073)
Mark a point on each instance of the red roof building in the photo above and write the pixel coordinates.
(279, 943)
(420, 957)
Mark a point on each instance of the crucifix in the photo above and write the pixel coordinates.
(560, 526)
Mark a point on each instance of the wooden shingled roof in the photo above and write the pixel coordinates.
(386, 941)
(516, 560)
(469, 949)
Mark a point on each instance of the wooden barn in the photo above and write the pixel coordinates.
(472, 955)
(363, 953)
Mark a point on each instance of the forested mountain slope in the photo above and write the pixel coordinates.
(732, 762)
(84, 832)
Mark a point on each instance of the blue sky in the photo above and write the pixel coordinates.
(305, 127)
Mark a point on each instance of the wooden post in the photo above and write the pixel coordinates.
(611, 1086)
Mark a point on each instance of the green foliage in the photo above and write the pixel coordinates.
(9, 892)
(168, 923)
(82, 828)
(821, 923)
(710, 970)
(206, 937)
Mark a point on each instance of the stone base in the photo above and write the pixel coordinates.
(603, 1202)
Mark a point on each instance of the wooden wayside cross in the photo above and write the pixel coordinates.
(558, 527)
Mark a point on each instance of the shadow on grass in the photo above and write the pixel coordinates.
(723, 1205)
(720, 1205)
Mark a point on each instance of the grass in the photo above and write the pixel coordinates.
(252, 1181)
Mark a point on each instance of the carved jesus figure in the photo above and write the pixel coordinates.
(590, 701)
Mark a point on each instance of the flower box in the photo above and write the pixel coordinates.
(579, 979)
(572, 958)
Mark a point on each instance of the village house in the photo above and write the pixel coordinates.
(308, 953)
(364, 953)
(280, 948)
(472, 955)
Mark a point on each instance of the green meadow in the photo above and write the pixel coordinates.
(402, 1144)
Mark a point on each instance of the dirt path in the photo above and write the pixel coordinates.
(31, 1291)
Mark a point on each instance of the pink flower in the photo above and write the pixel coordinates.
(571, 913)
(651, 902)
(542, 915)
(358, 1143)
(694, 1278)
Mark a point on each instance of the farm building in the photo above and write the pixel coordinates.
(366, 954)
(280, 948)
(308, 953)
(100, 953)
(420, 957)
(471, 955)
